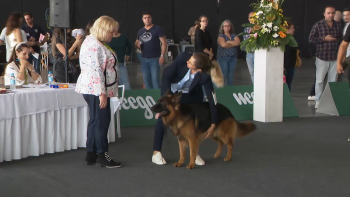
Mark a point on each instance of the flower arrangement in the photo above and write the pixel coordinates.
(268, 27)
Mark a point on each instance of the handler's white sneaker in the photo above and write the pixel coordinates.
(199, 161)
(158, 159)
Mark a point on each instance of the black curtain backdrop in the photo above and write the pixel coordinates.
(176, 17)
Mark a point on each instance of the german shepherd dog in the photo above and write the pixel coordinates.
(189, 122)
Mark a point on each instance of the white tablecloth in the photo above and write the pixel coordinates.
(43, 120)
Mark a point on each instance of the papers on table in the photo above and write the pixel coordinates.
(34, 86)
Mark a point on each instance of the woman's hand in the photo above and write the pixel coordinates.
(103, 101)
(209, 132)
(23, 63)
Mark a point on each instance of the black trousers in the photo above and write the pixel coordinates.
(98, 124)
(289, 77)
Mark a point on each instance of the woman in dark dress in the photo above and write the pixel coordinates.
(59, 52)
(203, 41)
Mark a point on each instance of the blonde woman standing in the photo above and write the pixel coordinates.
(98, 82)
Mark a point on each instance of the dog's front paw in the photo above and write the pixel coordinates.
(216, 156)
(177, 164)
(227, 159)
(191, 166)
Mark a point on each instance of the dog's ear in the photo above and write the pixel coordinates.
(176, 97)
(168, 92)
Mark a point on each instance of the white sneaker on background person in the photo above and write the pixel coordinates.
(311, 98)
(317, 103)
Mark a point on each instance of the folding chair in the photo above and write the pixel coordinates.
(121, 100)
(116, 104)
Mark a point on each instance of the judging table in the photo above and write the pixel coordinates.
(35, 121)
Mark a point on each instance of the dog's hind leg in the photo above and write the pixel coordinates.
(194, 143)
(182, 147)
(218, 151)
(229, 143)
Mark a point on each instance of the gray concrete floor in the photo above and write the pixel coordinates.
(303, 80)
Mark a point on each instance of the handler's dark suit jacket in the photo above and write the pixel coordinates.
(176, 71)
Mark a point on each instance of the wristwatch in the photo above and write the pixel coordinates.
(161, 55)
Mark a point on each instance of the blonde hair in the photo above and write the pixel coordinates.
(102, 26)
(202, 61)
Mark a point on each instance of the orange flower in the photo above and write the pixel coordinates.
(282, 34)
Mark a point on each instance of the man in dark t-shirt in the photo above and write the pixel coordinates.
(33, 32)
(151, 40)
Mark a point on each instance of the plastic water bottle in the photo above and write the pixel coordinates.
(12, 82)
(50, 77)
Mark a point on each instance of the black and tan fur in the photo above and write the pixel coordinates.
(190, 122)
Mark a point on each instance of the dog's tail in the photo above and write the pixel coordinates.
(244, 129)
(216, 74)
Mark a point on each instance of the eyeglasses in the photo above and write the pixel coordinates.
(227, 25)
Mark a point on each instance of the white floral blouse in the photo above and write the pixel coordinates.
(98, 68)
(12, 68)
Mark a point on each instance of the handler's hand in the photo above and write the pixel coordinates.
(103, 101)
(340, 68)
(210, 131)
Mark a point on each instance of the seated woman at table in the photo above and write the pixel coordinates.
(24, 72)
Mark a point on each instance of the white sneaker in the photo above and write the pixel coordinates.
(158, 159)
(311, 98)
(199, 161)
(317, 103)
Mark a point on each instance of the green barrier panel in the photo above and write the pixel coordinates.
(335, 99)
(239, 99)
(136, 109)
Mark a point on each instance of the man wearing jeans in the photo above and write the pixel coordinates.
(250, 54)
(148, 40)
(326, 34)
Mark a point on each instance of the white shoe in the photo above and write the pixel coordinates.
(317, 103)
(158, 159)
(311, 98)
(199, 161)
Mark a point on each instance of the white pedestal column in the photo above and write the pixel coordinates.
(268, 85)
